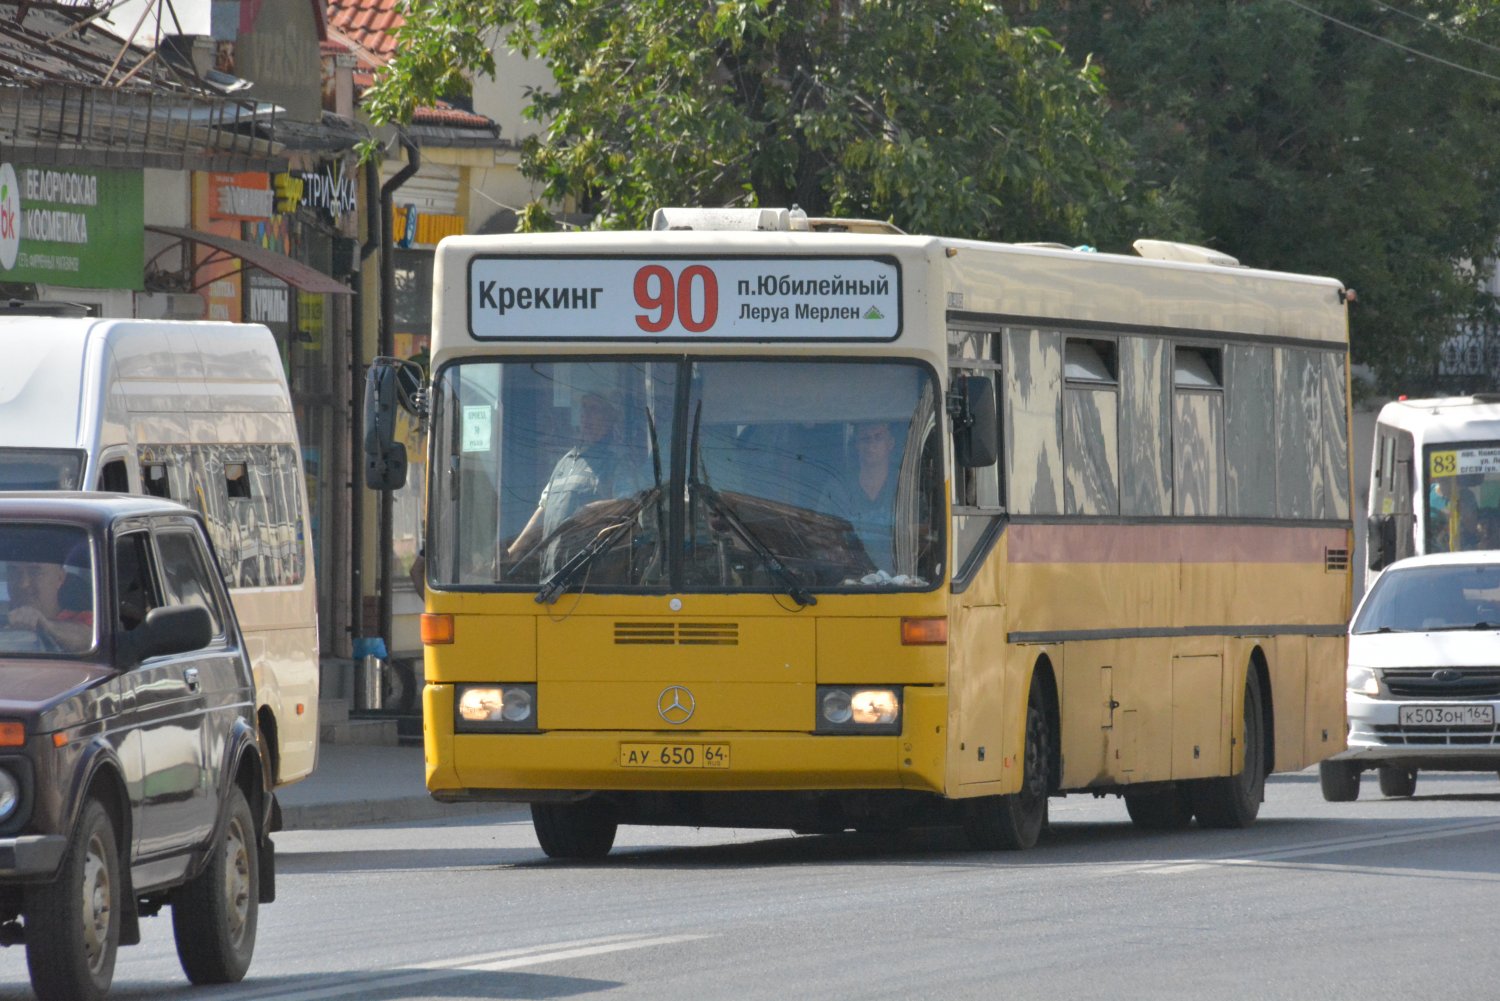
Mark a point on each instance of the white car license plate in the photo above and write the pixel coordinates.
(1447, 716)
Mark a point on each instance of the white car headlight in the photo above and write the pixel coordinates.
(1363, 680)
(495, 707)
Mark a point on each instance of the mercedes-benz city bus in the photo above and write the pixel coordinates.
(751, 520)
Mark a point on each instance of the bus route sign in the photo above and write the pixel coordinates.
(682, 298)
(1465, 461)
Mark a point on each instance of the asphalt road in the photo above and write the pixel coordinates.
(1370, 900)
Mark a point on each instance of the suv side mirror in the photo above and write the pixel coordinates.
(168, 630)
(385, 457)
(1381, 541)
(976, 433)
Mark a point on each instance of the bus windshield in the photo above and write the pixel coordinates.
(686, 475)
(1463, 496)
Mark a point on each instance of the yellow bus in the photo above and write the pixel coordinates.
(755, 520)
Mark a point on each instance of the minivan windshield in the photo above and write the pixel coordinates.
(1431, 599)
(41, 468)
(688, 474)
(47, 597)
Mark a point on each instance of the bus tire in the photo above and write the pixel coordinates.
(1339, 780)
(73, 924)
(1168, 809)
(1397, 782)
(574, 830)
(1234, 800)
(1015, 821)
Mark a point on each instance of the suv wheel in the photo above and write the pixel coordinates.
(73, 924)
(214, 915)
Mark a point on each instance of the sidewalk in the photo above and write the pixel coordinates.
(361, 784)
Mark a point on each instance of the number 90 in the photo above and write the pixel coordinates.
(692, 300)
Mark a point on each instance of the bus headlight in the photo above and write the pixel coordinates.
(481, 708)
(10, 794)
(858, 709)
(1363, 680)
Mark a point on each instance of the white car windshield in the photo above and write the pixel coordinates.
(1432, 598)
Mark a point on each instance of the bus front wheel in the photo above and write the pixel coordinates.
(1015, 821)
(1234, 801)
(583, 830)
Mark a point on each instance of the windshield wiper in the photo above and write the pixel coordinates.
(794, 587)
(607, 537)
(1464, 627)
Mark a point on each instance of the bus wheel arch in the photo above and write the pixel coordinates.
(1015, 820)
(1233, 801)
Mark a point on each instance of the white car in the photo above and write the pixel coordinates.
(1424, 675)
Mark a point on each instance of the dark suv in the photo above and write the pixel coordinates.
(130, 776)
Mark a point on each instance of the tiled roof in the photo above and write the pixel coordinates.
(370, 24)
(445, 114)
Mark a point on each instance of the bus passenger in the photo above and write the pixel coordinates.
(868, 499)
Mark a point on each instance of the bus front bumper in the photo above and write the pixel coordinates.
(526, 766)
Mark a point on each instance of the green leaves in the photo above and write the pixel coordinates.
(939, 115)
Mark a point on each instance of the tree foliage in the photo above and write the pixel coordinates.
(939, 115)
(1303, 144)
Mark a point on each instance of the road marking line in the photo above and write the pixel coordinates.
(493, 962)
(1322, 848)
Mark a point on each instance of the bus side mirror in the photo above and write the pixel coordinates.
(976, 432)
(385, 457)
(1381, 541)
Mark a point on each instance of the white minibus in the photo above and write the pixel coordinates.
(1434, 479)
(198, 412)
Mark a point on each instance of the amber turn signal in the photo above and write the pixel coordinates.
(437, 628)
(12, 735)
(924, 632)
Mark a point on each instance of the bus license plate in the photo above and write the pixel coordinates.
(1447, 716)
(674, 755)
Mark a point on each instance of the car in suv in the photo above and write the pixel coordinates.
(1423, 676)
(130, 774)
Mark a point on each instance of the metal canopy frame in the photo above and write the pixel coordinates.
(225, 249)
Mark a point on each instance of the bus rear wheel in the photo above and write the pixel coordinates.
(1168, 809)
(1234, 801)
(1015, 821)
(583, 830)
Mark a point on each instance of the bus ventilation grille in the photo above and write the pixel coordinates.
(677, 634)
(1335, 560)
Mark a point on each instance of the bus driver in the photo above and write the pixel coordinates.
(600, 468)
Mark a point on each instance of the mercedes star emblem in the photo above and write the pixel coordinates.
(675, 704)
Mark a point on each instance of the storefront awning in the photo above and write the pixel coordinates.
(294, 273)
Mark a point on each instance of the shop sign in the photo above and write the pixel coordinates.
(330, 189)
(244, 195)
(267, 301)
(72, 226)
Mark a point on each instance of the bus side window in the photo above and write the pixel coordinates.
(113, 479)
(154, 479)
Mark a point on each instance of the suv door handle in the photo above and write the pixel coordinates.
(191, 677)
